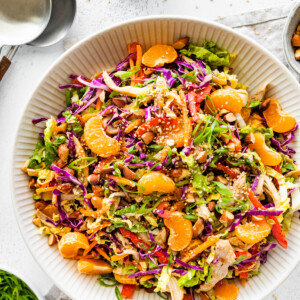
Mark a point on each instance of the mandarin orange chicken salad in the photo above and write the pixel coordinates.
(165, 174)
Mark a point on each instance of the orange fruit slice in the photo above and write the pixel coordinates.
(93, 266)
(226, 290)
(267, 155)
(159, 55)
(156, 182)
(253, 232)
(277, 119)
(224, 99)
(181, 231)
(71, 242)
(97, 140)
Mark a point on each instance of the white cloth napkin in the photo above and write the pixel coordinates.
(265, 26)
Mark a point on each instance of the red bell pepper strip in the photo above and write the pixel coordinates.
(187, 297)
(276, 228)
(226, 170)
(202, 93)
(165, 122)
(163, 206)
(277, 168)
(237, 254)
(193, 106)
(137, 242)
(127, 290)
(244, 274)
(237, 143)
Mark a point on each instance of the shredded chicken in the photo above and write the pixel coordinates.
(260, 184)
(176, 292)
(203, 212)
(239, 187)
(226, 258)
(271, 191)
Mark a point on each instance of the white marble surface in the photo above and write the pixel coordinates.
(31, 63)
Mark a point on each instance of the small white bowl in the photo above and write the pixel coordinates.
(289, 29)
(26, 280)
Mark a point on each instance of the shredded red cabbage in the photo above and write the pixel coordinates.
(254, 185)
(124, 63)
(167, 74)
(36, 121)
(71, 85)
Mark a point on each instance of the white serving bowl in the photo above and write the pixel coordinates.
(26, 280)
(254, 66)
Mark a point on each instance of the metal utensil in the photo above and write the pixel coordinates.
(21, 21)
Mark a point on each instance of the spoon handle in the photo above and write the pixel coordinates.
(6, 61)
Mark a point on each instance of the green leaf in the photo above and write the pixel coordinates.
(155, 147)
(127, 210)
(191, 217)
(77, 164)
(68, 97)
(123, 75)
(240, 259)
(222, 189)
(107, 280)
(200, 183)
(48, 132)
(253, 104)
(143, 210)
(36, 157)
(210, 52)
(72, 122)
(118, 294)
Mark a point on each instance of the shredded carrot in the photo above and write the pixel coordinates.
(92, 245)
(132, 125)
(118, 256)
(89, 195)
(103, 253)
(100, 227)
(146, 277)
(122, 180)
(98, 104)
(139, 53)
(132, 47)
(89, 116)
(208, 243)
(90, 213)
(138, 266)
(84, 256)
(43, 190)
(185, 119)
(54, 126)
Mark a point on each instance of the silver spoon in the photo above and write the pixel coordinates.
(61, 19)
(21, 21)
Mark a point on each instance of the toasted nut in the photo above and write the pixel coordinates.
(31, 183)
(198, 228)
(60, 163)
(221, 179)
(249, 138)
(211, 205)
(93, 179)
(97, 202)
(223, 112)
(297, 54)
(128, 174)
(71, 171)
(227, 218)
(65, 187)
(148, 137)
(296, 40)
(74, 214)
(230, 146)
(201, 157)
(295, 174)
(47, 196)
(63, 152)
(37, 222)
(265, 104)
(178, 193)
(111, 130)
(178, 206)
(176, 173)
(181, 43)
(52, 240)
(40, 205)
(230, 117)
(97, 190)
(139, 113)
(119, 102)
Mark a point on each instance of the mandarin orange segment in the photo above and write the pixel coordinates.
(178, 136)
(267, 155)
(71, 242)
(97, 140)
(224, 99)
(156, 182)
(276, 119)
(159, 55)
(253, 232)
(226, 290)
(93, 266)
(181, 43)
(181, 231)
